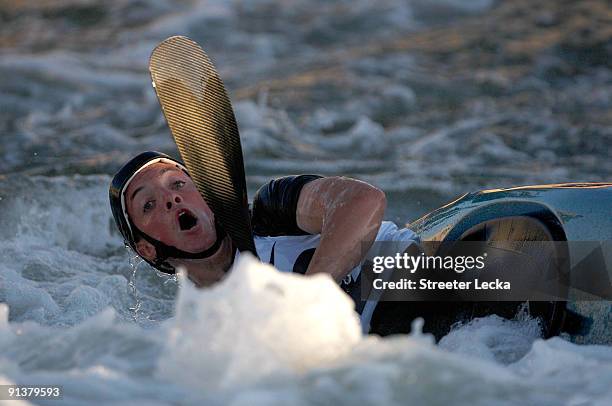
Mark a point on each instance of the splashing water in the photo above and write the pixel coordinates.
(333, 88)
(264, 337)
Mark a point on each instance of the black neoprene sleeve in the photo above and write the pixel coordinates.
(275, 204)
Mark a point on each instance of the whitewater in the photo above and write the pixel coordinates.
(346, 87)
(86, 315)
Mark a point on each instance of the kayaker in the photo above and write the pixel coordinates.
(303, 223)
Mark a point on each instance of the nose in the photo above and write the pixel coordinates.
(176, 198)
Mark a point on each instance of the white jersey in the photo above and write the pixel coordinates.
(293, 254)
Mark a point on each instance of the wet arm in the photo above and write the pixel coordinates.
(347, 213)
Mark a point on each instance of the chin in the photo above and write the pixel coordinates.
(199, 243)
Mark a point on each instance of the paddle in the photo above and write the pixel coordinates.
(202, 123)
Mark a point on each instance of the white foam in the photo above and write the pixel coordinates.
(493, 338)
(6, 334)
(257, 322)
(265, 337)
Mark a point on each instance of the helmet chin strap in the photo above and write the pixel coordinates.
(164, 251)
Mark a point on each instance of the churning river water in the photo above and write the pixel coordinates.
(425, 99)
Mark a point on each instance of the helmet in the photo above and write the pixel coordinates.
(131, 234)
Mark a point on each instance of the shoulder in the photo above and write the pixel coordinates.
(275, 204)
(283, 187)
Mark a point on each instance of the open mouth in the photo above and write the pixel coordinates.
(186, 220)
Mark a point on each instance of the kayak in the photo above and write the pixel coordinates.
(569, 214)
(200, 116)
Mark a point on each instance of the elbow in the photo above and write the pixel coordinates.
(361, 199)
(378, 200)
(372, 200)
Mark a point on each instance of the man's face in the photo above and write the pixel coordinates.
(164, 203)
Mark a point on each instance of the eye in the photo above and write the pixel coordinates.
(148, 206)
(178, 184)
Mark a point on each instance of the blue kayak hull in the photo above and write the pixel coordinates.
(561, 212)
